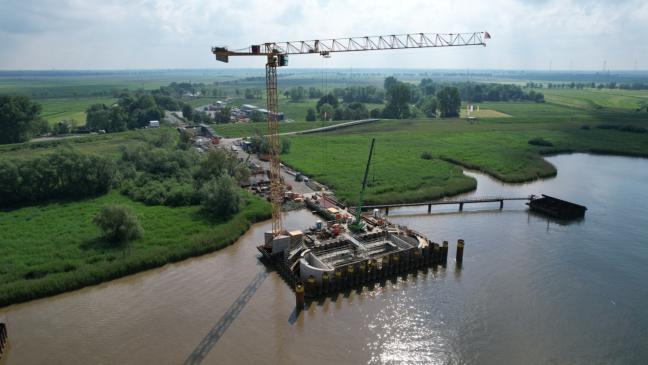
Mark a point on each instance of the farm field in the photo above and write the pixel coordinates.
(598, 99)
(103, 144)
(29, 269)
(70, 109)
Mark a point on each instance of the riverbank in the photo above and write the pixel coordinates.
(54, 248)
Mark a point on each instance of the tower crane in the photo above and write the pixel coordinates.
(276, 54)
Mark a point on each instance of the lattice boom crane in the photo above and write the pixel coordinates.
(277, 53)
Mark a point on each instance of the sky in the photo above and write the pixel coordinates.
(163, 34)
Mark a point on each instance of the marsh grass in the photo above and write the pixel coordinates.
(54, 248)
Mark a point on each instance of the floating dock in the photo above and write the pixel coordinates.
(330, 257)
(557, 208)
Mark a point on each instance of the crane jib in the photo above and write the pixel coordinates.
(325, 47)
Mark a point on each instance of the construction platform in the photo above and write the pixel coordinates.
(330, 257)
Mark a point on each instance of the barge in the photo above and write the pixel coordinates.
(556, 208)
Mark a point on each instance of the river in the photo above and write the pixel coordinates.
(530, 291)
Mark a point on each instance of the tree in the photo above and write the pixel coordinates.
(19, 119)
(326, 111)
(257, 116)
(220, 197)
(310, 115)
(358, 111)
(297, 93)
(184, 140)
(218, 162)
(375, 113)
(428, 87)
(429, 106)
(97, 117)
(449, 101)
(223, 115)
(118, 119)
(109, 119)
(389, 82)
(63, 174)
(118, 223)
(187, 111)
(398, 97)
(330, 99)
(338, 114)
(285, 145)
(314, 93)
(62, 127)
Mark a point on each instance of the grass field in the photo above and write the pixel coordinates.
(69, 109)
(102, 144)
(53, 248)
(497, 146)
(483, 113)
(597, 99)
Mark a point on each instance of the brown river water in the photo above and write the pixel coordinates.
(530, 291)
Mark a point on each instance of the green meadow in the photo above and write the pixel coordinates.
(497, 146)
(53, 248)
(102, 144)
(70, 109)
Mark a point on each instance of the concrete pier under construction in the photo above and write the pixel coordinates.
(330, 256)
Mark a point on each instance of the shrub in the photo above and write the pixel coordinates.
(426, 155)
(285, 145)
(63, 174)
(311, 116)
(623, 128)
(118, 223)
(539, 141)
(220, 197)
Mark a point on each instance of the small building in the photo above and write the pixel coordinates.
(154, 124)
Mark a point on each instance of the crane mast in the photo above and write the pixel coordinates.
(276, 188)
(277, 56)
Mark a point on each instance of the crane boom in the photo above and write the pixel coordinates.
(325, 47)
(357, 225)
(277, 56)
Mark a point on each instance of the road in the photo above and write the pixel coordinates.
(297, 186)
(331, 127)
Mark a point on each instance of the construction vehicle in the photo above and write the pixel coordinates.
(277, 53)
(357, 225)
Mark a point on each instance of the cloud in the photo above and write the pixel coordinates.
(172, 34)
